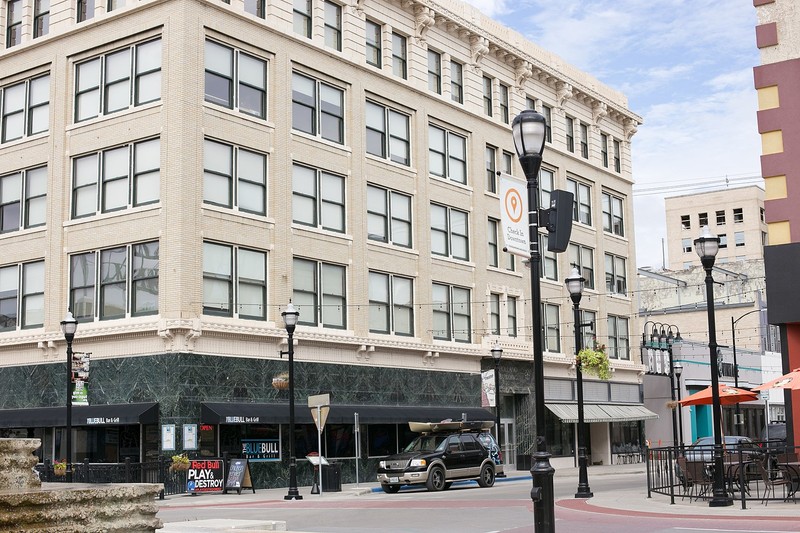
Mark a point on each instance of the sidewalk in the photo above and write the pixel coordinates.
(632, 501)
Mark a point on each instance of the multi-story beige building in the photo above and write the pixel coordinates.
(736, 216)
(175, 172)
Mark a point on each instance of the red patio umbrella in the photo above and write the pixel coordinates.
(786, 381)
(727, 396)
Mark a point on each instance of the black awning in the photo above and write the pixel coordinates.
(278, 413)
(82, 415)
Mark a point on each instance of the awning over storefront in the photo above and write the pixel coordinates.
(278, 413)
(568, 412)
(82, 415)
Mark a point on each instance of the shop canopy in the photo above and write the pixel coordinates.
(278, 413)
(82, 415)
(568, 412)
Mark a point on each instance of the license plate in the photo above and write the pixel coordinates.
(394, 480)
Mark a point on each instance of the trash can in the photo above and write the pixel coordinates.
(332, 477)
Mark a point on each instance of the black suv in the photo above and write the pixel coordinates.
(442, 454)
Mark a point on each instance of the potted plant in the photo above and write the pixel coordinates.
(60, 468)
(179, 463)
(594, 361)
(281, 381)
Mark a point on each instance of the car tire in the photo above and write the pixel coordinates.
(436, 480)
(487, 476)
(390, 489)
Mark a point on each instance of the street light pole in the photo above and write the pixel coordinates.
(290, 315)
(528, 130)
(575, 287)
(68, 327)
(707, 246)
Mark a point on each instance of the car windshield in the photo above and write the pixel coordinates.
(425, 443)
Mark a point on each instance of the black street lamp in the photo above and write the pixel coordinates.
(575, 287)
(290, 315)
(528, 130)
(707, 246)
(677, 369)
(737, 417)
(68, 327)
(497, 354)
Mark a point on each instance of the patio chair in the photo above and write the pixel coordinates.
(772, 479)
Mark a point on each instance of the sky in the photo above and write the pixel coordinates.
(686, 67)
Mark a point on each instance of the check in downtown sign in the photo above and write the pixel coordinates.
(513, 214)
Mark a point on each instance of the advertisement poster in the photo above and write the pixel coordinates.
(260, 450)
(205, 476)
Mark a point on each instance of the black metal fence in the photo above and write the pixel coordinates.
(760, 472)
(174, 482)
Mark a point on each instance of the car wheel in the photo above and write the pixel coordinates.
(436, 480)
(487, 476)
(390, 489)
(448, 485)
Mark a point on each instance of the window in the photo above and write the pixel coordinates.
(255, 7)
(738, 215)
(570, 130)
(333, 25)
(457, 82)
(234, 281)
(373, 48)
(115, 283)
(388, 133)
(435, 72)
(504, 103)
(452, 320)
(388, 216)
(399, 56)
(117, 178)
(613, 221)
(582, 258)
(235, 80)
(318, 198)
(547, 111)
(13, 23)
(25, 108)
(581, 202)
(391, 304)
(491, 168)
(720, 218)
(702, 219)
(686, 245)
(616, 275)
(511, 305)
(604, 149)
(488, 103)
(549, 261)
(301, 17)
(234, 177)
(739, 237)
(584, 140)
(723, 241)
(41, 18)
(546, 185)
(618, 338)
(320, 293)
(551, 339)
(617, 162)
(23, 199)
(85, 10)
(494, 313)
(317, 108)
(22, 296)
(447, 154)
(686, 222)
(493, 242)
(115, 4)
(103, 84)
(449, 232)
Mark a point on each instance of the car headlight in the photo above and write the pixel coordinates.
(418, 462)
(382, 464)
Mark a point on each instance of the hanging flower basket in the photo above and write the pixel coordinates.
(594, 361)
(180, 463)
(281, 381)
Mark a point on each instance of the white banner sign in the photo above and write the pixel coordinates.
(514, 214)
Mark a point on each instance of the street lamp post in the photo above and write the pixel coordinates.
(707, 246)
(737, 417)
(290, 315)
(68, 327)
(528, 130)
(677, 368)
(497, 354)
(575, 287)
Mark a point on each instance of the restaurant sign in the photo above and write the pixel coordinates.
(206, 475)
(261, 450)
